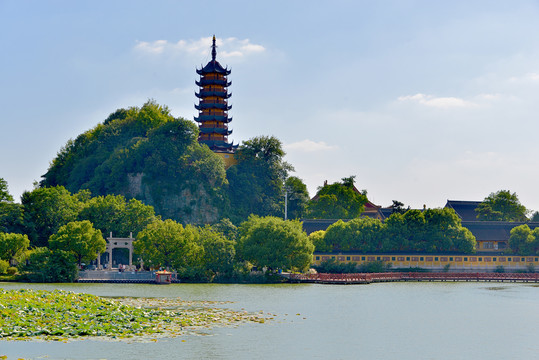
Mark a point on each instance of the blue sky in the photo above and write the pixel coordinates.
(423, 101)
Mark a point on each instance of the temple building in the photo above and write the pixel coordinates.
(213, 108)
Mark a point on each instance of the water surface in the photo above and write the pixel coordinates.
(376, 321)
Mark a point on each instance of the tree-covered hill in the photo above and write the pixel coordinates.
(145, 153)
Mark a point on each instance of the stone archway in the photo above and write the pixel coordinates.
(117, 243)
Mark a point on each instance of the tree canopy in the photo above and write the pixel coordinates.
(298, 197)
(81, 239)
(432, 230)
(168, 244)
(113, 213)
(256, 181)
(275, 243)
(47, 209)
(502, 206)
(340, 200)
(11, 220)
(13, 246)
(524, 241)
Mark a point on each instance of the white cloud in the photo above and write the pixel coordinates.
(437, 102)
(529, 77)
(227, 48)
(309, 146)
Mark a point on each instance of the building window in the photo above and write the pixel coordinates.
(421, 258)
(436, 258)
(480, 259)
(450, 259)
(318, 258)
(407, 258)
(429, 258)
(348, 258)
(363, 258)
(393, 259)
(465, 259)
(493, 259)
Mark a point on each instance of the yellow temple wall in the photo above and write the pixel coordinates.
(436, 261)
(228, 158)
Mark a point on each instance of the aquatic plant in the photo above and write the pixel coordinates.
(56, 315)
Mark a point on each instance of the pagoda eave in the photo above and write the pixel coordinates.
(217, 118)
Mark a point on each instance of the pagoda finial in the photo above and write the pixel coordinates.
(213, 49)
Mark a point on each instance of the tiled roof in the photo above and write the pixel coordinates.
(464, 209)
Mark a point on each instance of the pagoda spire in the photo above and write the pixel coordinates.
(213, 50)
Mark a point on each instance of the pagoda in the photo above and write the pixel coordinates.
(213, 108)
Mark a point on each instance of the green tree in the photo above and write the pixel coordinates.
(219, 252)
(275, 243)
(46, 210)
(340, 200)
(256, 181)
(79, 238)
(395, 235)
(298, 197)
(366, 234)
(501, 206)
(168, 244)
(338, 236)
(13, 246)
(5, 196)
(227, 228)
(11, 220)
(113, 213)
(45, 265)
(523, 240)
(318, 240)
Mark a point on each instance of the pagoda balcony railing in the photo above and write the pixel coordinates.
(215, 130)
(216, 118)
(212, 105)
(222, 94)
(205, 82)
(220, 126)
(213, 101)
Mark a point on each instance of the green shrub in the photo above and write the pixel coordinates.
(332, 266)
(499, 269)
(4, 265)
(11, 270)
(44, 265)
(374, 267)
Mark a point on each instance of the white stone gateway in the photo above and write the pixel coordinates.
(117, 243)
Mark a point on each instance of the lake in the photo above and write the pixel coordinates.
(376, 321)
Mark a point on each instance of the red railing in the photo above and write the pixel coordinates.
(365, 278)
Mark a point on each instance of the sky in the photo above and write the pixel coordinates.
(422, 101)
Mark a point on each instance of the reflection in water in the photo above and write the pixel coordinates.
(377, 321)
